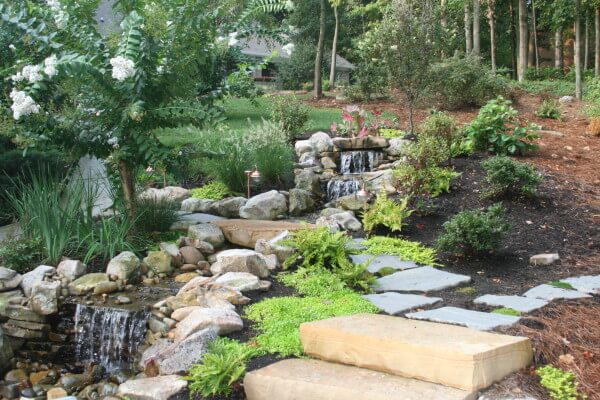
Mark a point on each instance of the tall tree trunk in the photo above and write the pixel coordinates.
(476, 28)
(318, 84)
(559, 62)
(128, 187)
(578, 84)
(513, 39)
(530, 51)
(522, 40)
(492, 21)
(468, 32)
(597, 43)
(334, 48)
(444, 22)
(535, 41)
(586, 56)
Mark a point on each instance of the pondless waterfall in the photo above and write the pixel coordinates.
(337, 188)
(356, 162)
(109, 336)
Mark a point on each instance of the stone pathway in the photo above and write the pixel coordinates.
(422, 279)
(395, 303)
(471, 319)
(521, 304)
(377, 263)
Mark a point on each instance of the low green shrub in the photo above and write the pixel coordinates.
(407, 250)
(155, 215)
(21, 254)
(561, 384)
(507, 177)
(386, 212)
(474, 232)
(430, 181)
(550, 108)
(392, 133)
(310, 282)
(426, 151)
(214, 190)
(543, 74)
(220, 368)
(291, 114)
(445, 126)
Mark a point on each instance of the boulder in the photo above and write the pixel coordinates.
(125, 266)
(9, 279)
(106, 287)
(307, 180)
(307, 160)
(210, 233)
(204, 247)
(241, 281)
(194, 205)
(265, 206)
(186, 277)
(159, 262)
(328, 163)
(544, 259)
(181, 313)
(321, 142)
(191, 255)
(345, 221)
(229, 207)
(34, 276)
(566, 99)
(166, 387)
(71, 269)
(377, 181)
(187, 220)
(271, 247)
(172, 193)
(222, 320)
(44, 297)
(173, 250)
(300, 202)
(396, 147)
(303, 146)
(353, 202)
(246, 232)
(87, 283)
(194, 284)
(240, 260)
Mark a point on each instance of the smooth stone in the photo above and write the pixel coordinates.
(9, 279)
(549, 292)
(395, 303)
(34, 276)
(71, 269)
(87, 283)
(125, 266)
(241, 260)
(376, 263)
(185, 278)
(356, 244)
(173, 250)
(345, 221)
(156, 388)
(353, 202)
(210, 233)
(544, 259)
(471, 319)
(194, 205)
(160, 262)
(173, 193)
(191, 255)
(193, 219)
(44, 297)
(229, 207)
(106, 287)
(303, 146)
(56, 393)
(521, 304)
(422, 279)
(247, 232)
(588, 284)
(181, 313)
(222, 320)
(271, 247)
(268, 206)
(241, 281)
(321, 142)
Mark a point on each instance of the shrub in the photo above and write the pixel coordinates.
(550, 108)
(20, 255)
(465, 81)
(290, 114)
(155, 215)
(430, 181)
(543, 74)
(496, 129)
(386, 212)
(445, 126)
(428, 150)
(391, 133)
(474, 232)
(297, 70)
(106, 239)
(369, 81)
(222, 366)
(508, 177)
(310, 282)
(214, 190)
(405, 249)
(561, 384)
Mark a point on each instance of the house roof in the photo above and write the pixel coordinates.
(261, 48)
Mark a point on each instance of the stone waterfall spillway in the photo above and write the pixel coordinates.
(109, 336)
(337, 188)
(351, 163)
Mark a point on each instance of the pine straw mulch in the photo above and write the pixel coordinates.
(566, 335)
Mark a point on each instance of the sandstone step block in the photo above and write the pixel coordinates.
(319, 380)
(450, 355)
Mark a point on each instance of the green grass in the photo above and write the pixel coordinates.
(557, 88)
(507, 311)
(562, 285)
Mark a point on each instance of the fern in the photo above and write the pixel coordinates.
(386, 212)
(264, 6)
(131, 37)
(31, 27)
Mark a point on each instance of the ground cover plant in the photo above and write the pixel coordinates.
(550, 108)
(386, 212)
(214, 190)
(407, 250)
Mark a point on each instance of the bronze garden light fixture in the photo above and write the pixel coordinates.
(252, 176)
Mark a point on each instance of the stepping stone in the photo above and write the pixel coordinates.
(356, 244)
(549, 292)
(522, 304)
(319, 380)
(246, 233)
(588, 284)
(395, 303)
(379, 262)
(422, 279)
(449, 355)
(471, 319)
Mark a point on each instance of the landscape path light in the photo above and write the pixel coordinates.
(252, 176)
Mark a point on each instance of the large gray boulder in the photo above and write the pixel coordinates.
(345, 221)
(307, 180)
(229, 207)
(224, 321)
(300, 202)
(125, 266)
(172, 193)
(265, 206)
(209, 233)
(44, 297)
(321, 142)
(242, 281)
(71, 269)
(168, 387)
(396, 147)
(303, 147)
(272, 247)
(34, 276)
(194, 205)
(9, 279)
(241, 260)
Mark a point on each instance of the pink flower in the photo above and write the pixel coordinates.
(334, 127)
(377, 113)
(363, 132)
(352, 108)
(347, 117)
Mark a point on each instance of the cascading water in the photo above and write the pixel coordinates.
(337, 188)
(356, 162)
(109, 336)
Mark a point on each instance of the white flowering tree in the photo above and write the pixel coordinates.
(106, 96)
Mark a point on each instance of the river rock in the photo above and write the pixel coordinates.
(173, 250)
(44, 297)
(87, 283)
(181, 313)
(303, 146)
(223, 321)
(6, 352)
(377, 181)
(172, 193)
(396, 146)
(194, 284)
(159, 261)
(191, 255)
(167, 387)
(328, 163)
(71, 269)
(56, 393)
(321, 142)
(187, 220)
(271, 247)
(194, 205)
(106, 287)
(186, 277)
(34, 276)
(212, 294)
(125, 266)
(353, 202)
(265, 206)
(301, 202)
(240, 260)
(229, 207)
(307, 180)
(241, 281)
(208, 233)
(9, 279)
(344, 221)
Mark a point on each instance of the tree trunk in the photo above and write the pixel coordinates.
(476, 28)
(559, 61)
(535, 41)
(530, 51)
(597, 43)
(468, 33)
(513, 39)
(334, 48)
(522, 40)
(444, 23)
(492, 21)
(128, 186)
(586, 57)
(578, 85)
(318, 84)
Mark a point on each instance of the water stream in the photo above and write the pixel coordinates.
(337, 188)
(357, 162)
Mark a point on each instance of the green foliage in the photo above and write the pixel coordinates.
(561, 384)
(214, 190)
(291, 114)
(369, 81)
(543, 74)
(508, 177)
(20, 255)
(474, 232)
(550, 108)
(507, 311)
(445, 126)
(296, 70)
(561, 285)
(463, 81)
(155, 215)
(221, 367)
(312, 282)
(386, 212)
(391, 133)
(467, 291)
(430, 181)
(106, 238)
(405, 249)
(496, 129)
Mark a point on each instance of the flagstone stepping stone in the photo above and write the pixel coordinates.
(588, 284)
(521, 304)
(422, 279)
(549, 292)
(356, 244)
(471, 319)
(395, 303)
(377, 263)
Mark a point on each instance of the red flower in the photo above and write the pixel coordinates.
(377, 113)
(347, 117)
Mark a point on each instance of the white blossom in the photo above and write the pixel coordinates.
(394, 48)
(22, 104)
(289, 48)
(30, 73)
(114, 142)
(61, 17)
(233, 39)
(50, 66)
(12, 47)
(123, 68)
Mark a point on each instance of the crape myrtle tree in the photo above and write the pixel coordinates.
(105, 96)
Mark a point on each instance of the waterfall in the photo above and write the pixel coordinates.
(337, 188)
(356, 162)
(109, 336)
